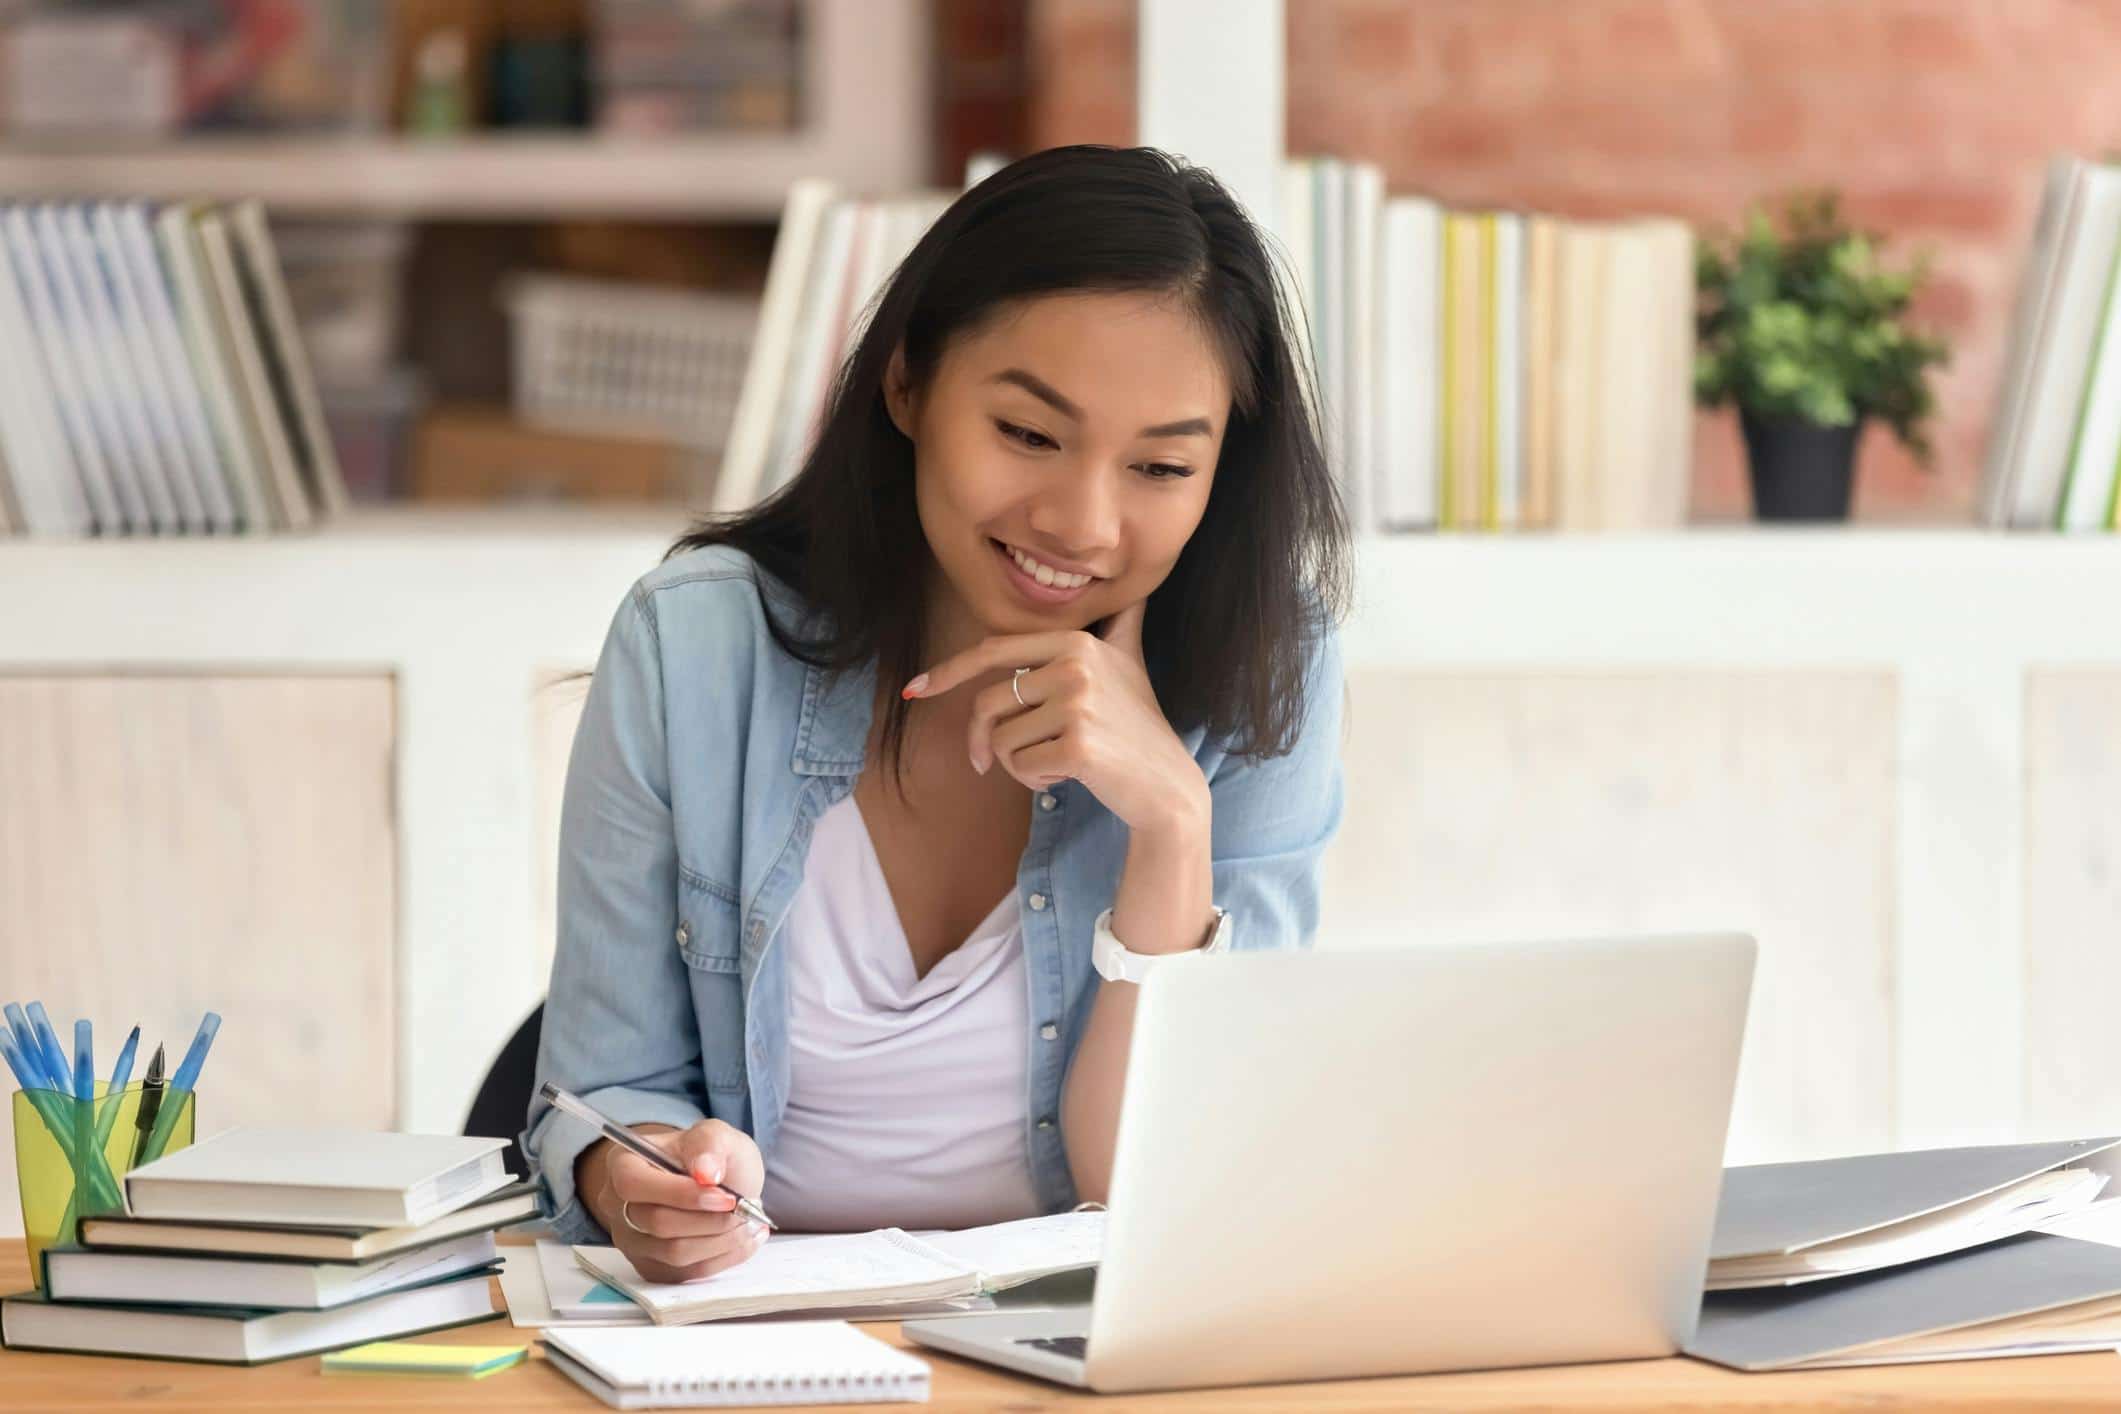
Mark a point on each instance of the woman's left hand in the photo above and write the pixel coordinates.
(1090, 714)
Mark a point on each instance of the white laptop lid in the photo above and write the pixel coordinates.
(1334, 1164)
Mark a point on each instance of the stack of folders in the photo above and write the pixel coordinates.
(155, 380)
(257, 1245)
(1940, 1254)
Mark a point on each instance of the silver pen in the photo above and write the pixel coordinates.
(625, 1138)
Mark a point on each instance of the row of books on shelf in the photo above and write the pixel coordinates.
(2054, 455)
(832, 256)
(1493, 370)
(156, 383)
(1478, 370)
(256, 1245)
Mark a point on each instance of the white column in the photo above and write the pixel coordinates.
(466, 914)
(1209, 76)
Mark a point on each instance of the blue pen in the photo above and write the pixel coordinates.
(25, 1037)
(55, 1063)
(84, 1061)
(123, 1070)
(29, 1056)
(26, 1075)
(187, 1076)
(115, 1095)
(28, 1048)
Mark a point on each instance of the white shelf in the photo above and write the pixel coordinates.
(866, 79)
(490, 177)
(549, 578)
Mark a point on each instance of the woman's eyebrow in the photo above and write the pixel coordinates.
(1046, 393)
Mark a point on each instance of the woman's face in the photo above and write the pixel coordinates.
(1063, 454)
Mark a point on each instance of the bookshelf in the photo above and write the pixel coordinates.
(871, 135)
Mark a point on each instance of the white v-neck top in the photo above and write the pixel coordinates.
(907, 1097)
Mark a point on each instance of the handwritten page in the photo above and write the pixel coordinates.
(794, 1274)
(1009, 1254)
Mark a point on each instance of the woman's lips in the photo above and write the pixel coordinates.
(1029, 587)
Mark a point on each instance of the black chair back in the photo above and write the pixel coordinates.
(503, 1102)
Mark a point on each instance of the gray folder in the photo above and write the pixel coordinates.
(1780, 1326)
(1787, 1207)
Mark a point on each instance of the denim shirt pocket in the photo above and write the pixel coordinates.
(709, 939)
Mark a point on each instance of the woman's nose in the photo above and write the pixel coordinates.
(1081, 515)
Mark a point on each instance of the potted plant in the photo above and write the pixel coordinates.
(1805, 330)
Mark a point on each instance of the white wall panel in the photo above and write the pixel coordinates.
(1527, 804)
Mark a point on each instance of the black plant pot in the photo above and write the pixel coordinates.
(1801, 471)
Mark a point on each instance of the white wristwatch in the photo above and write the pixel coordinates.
(1115, 964)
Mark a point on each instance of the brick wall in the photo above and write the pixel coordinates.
(1932, 116)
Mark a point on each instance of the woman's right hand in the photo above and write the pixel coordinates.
(675, 1228)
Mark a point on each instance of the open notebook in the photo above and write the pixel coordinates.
(869, 1269)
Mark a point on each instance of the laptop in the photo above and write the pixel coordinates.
(1445, 1157)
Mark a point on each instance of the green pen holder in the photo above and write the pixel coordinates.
(71, 1156)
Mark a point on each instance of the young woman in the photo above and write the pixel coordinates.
(885, 788)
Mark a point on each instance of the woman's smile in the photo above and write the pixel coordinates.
(1038, 582)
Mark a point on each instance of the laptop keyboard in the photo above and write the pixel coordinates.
(1071, 1347)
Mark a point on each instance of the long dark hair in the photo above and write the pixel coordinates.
(1227, 635)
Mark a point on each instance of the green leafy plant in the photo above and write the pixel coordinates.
(1806, 323)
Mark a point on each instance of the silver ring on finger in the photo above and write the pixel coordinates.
(626, 1217)
(1014, 679)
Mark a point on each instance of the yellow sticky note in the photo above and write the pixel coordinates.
(397, 1357)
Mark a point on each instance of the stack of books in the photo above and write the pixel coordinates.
(2056, 441)
(1493, 370)
(155, 380)
(258, 1245)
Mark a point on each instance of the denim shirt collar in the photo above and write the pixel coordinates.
(832, 734)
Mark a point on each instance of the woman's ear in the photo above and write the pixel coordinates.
(898, 393)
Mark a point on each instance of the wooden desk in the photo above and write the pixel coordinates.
(30, 1381)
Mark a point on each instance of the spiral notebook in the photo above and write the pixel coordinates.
(684, 1367)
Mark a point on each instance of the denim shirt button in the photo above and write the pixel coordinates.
(1038, 903)
(1046, 800)
(684, 934)
(1049, 1032)
(1046, 1123)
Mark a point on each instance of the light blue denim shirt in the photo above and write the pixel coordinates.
(705, 755)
